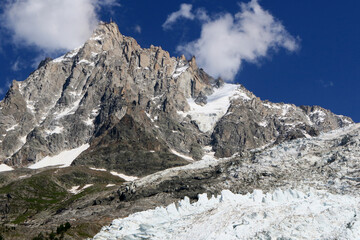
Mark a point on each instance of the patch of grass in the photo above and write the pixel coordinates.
(85, 230)
(22, 218)
(48, 191)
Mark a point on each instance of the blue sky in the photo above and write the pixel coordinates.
(308, 52)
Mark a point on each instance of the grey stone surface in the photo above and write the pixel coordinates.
(79, 97)
(69, 101)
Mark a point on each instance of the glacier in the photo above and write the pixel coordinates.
(302, 209)
(281, 214)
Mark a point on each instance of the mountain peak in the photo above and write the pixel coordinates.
(114, 108)
(106, 29)
(110, 84)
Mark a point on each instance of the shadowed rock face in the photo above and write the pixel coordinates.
(84, 96)
(130, 149)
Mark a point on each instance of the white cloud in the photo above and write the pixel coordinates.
(228, 40)
(109, 3)
(51, 25)
(137, 29)
(16, 66)
(202, 15)
(183, 12)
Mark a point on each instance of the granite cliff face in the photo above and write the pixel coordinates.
(132, 104)
(82, 96)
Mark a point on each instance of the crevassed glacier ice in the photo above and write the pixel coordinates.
(288, 214)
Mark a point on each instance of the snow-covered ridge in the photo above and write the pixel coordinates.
(217, 105)
(67, 56)
(288, 214)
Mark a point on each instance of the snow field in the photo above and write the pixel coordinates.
(217, 104)
(5, 168)
(63, 159)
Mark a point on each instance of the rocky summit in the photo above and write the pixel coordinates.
(134, 128)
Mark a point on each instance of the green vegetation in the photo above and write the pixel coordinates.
(58, 235)
(30, 196)
(46, 193)
(63, 228)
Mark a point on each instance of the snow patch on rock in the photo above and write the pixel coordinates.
(182, 155)
(123, 176)
(5, 168)
(179, 71)
(208, 115)
(63, 159)
(67, 56)
(56, 130)
(12, 128)
(77, 189)
(98, 169)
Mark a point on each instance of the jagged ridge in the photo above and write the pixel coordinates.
(83, 96)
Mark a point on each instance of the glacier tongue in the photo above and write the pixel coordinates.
(288, 214)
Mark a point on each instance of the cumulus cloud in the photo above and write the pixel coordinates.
(228, 40)
(52, 25)
(183, 12)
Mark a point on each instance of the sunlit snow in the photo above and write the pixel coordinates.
(179, 71)
(182, 155)
(12, 128)
(5, 168)
(63, 159)
(123, 176)
(68, 56)
(217, 104)
(77, 189)
(69, 110)
(57, 130)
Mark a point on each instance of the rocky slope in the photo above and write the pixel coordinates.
(79, 97)
(111, 108)
(110, 92)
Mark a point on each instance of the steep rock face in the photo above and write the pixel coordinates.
(68, 101)
(251, 123)
(173, 108)
(130, 149)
